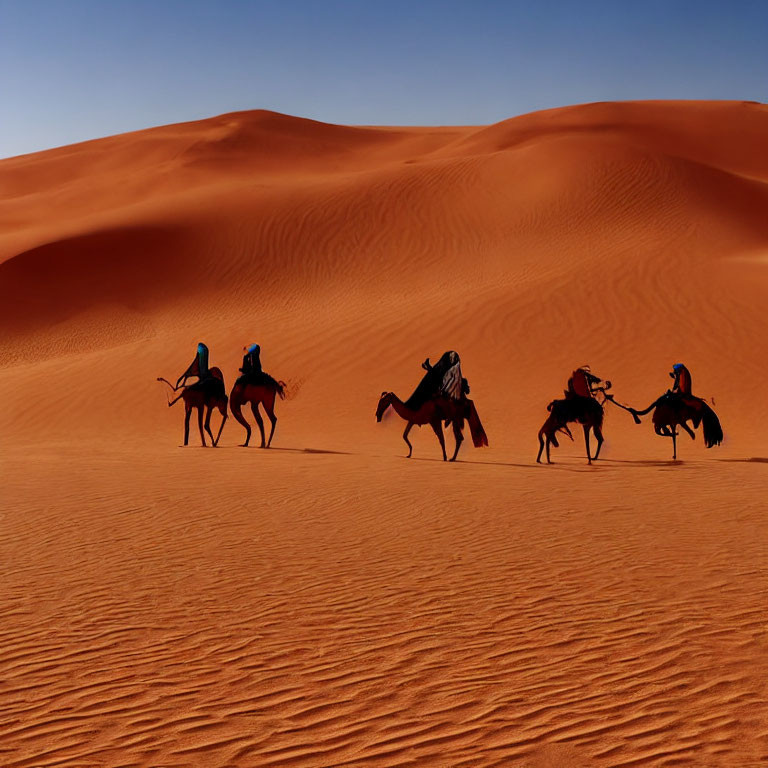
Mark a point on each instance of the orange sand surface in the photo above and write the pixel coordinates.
(328, 602)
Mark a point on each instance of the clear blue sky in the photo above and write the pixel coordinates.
(72, 70)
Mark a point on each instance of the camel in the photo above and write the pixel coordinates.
(432, 412)
(671, 411)
(262, 393)
(211, 395)
(585, 410)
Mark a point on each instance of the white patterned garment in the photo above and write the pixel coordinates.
(451, 386)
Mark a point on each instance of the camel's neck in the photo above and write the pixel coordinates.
(401, 409)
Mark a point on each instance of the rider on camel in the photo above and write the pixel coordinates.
(253, 374)
(682, 386)
(583, 383)
(443, 379)
(198, 367)
(251, 367)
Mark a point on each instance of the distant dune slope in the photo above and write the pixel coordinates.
(625, 235)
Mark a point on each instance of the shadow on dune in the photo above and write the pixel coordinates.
(650, 463)
(130, 266)
(292, 450)
(748, 460)
(532, 465)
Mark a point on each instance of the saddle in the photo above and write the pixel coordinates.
(210, 386)
(257, 379)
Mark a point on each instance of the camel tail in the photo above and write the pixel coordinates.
(276, 386)
(479, 438)
(713, 432)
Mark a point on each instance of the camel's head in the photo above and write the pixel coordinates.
(384, 402)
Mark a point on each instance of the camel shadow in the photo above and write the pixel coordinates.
(749, 460)
(532, 466)
(273, 448)
(650, 463)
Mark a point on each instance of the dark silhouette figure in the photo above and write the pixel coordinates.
(580, 405)
(584, 383)
(198, 367)
(586, 411)
(678, 406)
(208, 396)
(251, 367)
(440, 397)
(257, 388)
(434, 412)
(443, 379)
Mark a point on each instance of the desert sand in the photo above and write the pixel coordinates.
(328, 602)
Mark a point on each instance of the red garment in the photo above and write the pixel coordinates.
(579, 384)
(684, 382)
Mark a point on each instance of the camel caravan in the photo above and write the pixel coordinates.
(254, 387)
(675, 408)
(441, 401)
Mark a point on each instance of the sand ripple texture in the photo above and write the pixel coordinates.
(220, 608)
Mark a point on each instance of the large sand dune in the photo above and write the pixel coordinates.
(328, 602)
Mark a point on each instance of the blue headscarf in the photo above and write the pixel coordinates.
(254, 348)
(677, 366)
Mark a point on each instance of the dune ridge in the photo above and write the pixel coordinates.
(326, 602)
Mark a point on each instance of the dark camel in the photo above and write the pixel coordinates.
(256, 394)
(433, 412)
(211, 395)
(585, 410)
(671, 411)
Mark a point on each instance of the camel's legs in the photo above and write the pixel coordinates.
(541, 449)
(200, 423)
(407, 441)
(549, 442)
(674, 443)
(438, 428)
(234, 406)
(259, 421)
(224, 418)
(175, 400)
(269, 409)
(208, 414)
(223, 412)
(586, 441)
(187, 414)
(688, 430)
(458, 436)
(599, 437)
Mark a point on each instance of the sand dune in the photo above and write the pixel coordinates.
(327, 602)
